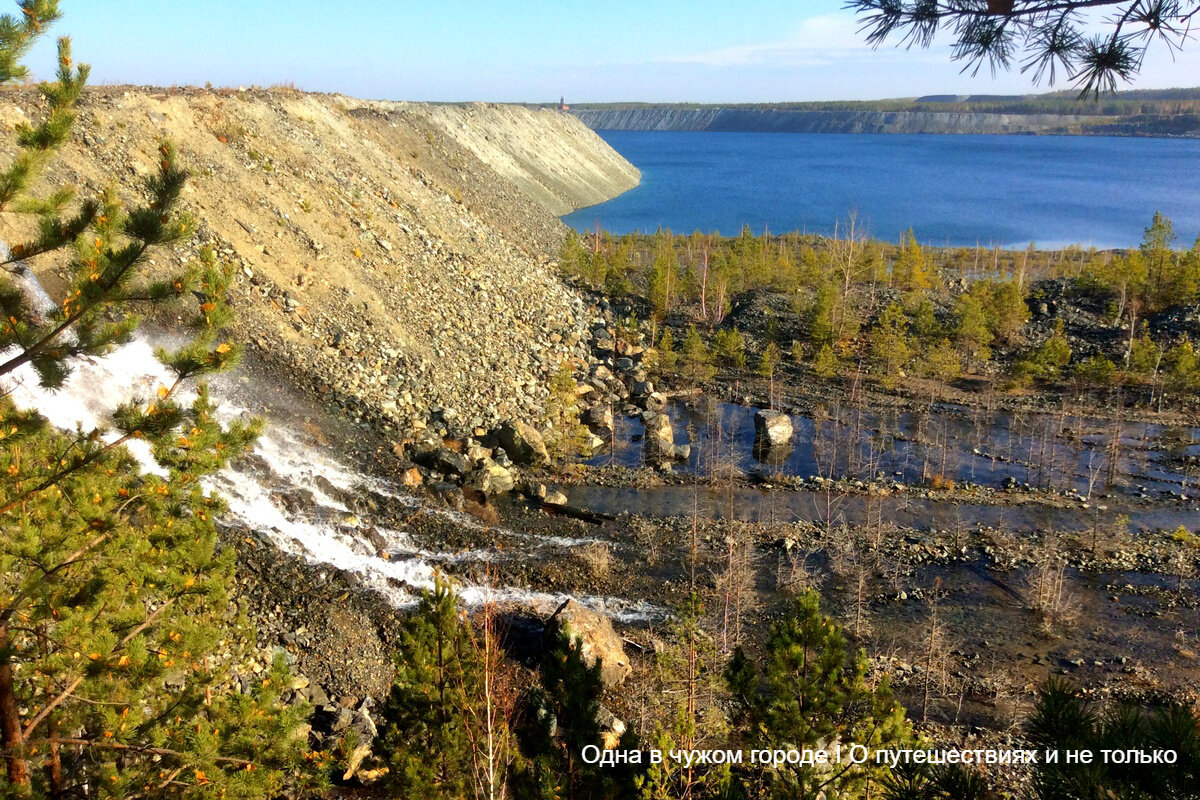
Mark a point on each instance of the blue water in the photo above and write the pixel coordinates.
(959, 190)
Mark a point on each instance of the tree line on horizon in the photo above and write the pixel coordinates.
(1130, 103)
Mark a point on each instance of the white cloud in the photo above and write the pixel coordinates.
(818, 41)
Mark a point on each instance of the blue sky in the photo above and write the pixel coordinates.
(535, 50)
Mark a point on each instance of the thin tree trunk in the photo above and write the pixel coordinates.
(11, 736)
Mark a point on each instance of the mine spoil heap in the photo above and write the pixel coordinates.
(396, 259)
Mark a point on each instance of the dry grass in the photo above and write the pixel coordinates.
(596, 558)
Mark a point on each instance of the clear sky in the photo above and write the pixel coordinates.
(524, 50)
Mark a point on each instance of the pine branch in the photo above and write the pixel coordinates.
(1049, 33)
(66, 693)
(147, 750)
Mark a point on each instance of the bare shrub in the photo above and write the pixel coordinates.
(596, 558)
(1047, 594)
(648, 538)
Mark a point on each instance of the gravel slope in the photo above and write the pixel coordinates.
(395, 258)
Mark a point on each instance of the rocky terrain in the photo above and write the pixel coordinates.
(394, 258)
(397, 268)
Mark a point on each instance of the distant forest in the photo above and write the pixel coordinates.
(1156, 102)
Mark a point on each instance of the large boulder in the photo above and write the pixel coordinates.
(593, 634)
(450, 462)
(600, 416)
(491, 478)
(523, 444)
(660, 439)
(772, 429)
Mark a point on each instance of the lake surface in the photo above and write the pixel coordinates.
(959, 190)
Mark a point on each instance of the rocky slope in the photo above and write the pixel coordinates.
(395, 258)
(664, 118)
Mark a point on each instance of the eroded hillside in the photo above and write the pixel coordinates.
(397, 258)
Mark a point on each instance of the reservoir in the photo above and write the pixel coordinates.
(957, 190)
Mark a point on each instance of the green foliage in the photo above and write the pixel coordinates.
(1152, 277)
(1063, 720)
(972, 333)
(558, 722)
(821, 325)
(664, 279)
(1145, 356)
(668, 359)
(575, 260)
(1096, 372)
(833, 284)
(943, 362)
(925, 324)
(768, 362)
(1007, 310)
(812, 692)
(566, 434)
(695, 358)
(1046, 361)
(889, 344)
(1183, 368)
(923, 782)
(1184, 536)
(118, 636)
(1041, 37)
(825, 362)
(431, 725)
(1157, 249)
(688, 672)
(37, 141)
(105, 265)
(729, 346)
(616, 277)
(912, 269)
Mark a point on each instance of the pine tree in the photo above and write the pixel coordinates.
(119, 643)
(1145, 356)
(1157, 249)
(668, 359)
(768, 363)
(575, 260)
(432, 720)
(729, 346)
(1184, 368)
(1042, 36)
(695, 357)
(559, 721)
(567, 435)
(812, 693)
(616, 282)
(1096, 372)
(689, 675)
(664, 278)
(913, 270)
(1046, 361)
(825, 363)
(889, 344)
(1007, 310)
(972, 334)
(943, 362)
(925, 325)
(821, 324)
(1062, 720)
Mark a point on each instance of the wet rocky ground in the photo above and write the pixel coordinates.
(966, 593)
